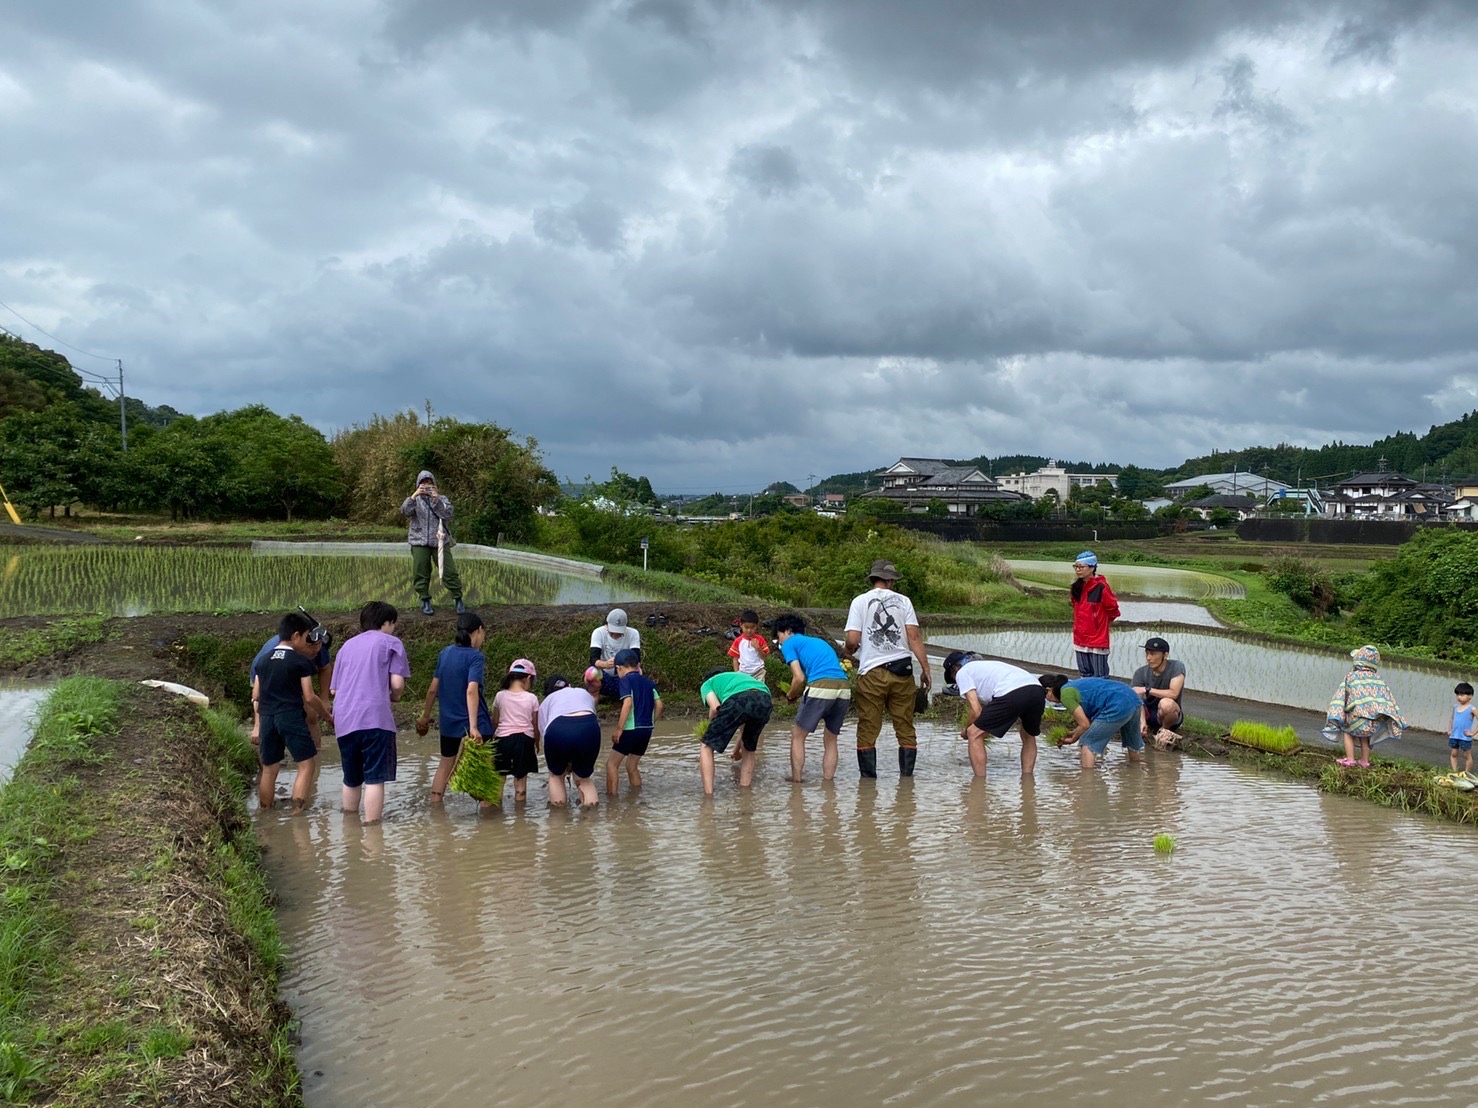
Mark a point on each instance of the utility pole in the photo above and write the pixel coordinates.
(122, 407)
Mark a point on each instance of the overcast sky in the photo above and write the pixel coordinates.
(731, 242)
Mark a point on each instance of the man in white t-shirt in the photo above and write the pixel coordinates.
(605, 642)
(883, 636)
(999, 696)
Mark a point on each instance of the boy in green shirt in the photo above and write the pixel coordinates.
(735, 701)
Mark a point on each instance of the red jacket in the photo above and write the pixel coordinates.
(1094, 608)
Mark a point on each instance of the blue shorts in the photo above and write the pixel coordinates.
(571, 745)
(633, 741)
(1456, 743)
(369, 757)
(1102, 730)
(285, 730)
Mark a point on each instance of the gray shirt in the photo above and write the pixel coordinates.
(1146, 678)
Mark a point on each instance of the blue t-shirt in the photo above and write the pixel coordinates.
(1462, 721)
(325, 656)
(456, 668)
(1102, 697)
(643, 695)
(818, 658)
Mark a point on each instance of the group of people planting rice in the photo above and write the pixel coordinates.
(874, 670)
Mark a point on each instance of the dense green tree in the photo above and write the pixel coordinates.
(1426, 597)
(279, 464)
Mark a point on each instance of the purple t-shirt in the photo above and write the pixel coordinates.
(362, 682)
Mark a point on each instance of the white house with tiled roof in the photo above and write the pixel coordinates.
(915, 482)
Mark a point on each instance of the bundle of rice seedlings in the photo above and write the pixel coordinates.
(1164, 844)
(1277, 740)
(700, 729)
(476, 775)
(785, 687)
(1057, 735)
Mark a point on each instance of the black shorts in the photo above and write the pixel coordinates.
(285, 729)
(749, 710)
(514, 755)
(572, 744)
(1152, 712)
(451, 745)
(368, 757)
(633, 742)
(1025, 704)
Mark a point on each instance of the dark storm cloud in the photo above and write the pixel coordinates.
(725, 242)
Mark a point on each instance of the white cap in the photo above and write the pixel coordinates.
(616, 621)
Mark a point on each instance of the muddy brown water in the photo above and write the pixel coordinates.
(939, 941)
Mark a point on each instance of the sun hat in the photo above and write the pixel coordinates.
(1157, 643)
(616, 621)
(883, 570)
(1087, 558)
(523, 666)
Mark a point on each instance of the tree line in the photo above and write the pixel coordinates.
(61, 445)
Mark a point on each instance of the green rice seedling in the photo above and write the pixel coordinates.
(700, 729)
(1164, 843)
(785, 687)
(1057, 734)
(476, 775)
(1276, 740)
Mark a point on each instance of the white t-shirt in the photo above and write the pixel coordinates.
(609, 644)
(566, 702)
(881, 615)
(992, 679)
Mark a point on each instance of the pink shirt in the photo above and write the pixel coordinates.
(515, 712)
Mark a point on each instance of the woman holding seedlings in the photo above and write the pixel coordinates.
(571, 736)
(457, 690)
(1101, 709)
(1362, 711)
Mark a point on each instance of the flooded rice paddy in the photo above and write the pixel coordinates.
(1135, 580)
(935, 941)
(18, 704)
(1222, 663)
(139, 580)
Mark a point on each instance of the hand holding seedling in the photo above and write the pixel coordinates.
(423, 725)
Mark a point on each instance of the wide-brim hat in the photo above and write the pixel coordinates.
(883, 570)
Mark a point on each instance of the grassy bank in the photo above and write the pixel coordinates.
(138, 950)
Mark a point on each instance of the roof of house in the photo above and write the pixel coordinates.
(1388, 479)
(1240, 477)
(926, 466)
(957, 475)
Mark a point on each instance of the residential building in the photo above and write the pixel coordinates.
(1383, 494)
(1240, 506)
(916, 482)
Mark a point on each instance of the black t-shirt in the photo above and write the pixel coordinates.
(281, 677)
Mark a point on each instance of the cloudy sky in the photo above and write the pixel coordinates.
(727, 242)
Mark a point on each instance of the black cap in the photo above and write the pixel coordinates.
(1157, 644)
(954, 660)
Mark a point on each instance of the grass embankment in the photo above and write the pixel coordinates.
(1389, 782)
(57, 639)
(155, 529)
(138, 949)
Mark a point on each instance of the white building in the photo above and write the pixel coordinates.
(1236, 483)
(1053, 478)
(914, 482)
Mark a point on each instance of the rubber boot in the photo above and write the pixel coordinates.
(867, 762)
(460, 606)
(907, 756)
(426, 608)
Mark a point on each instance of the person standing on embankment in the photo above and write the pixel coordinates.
(1094, 608)
(430, 536)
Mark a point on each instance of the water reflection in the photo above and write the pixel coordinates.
(1223, 664)
(941, 940)
(18, 704)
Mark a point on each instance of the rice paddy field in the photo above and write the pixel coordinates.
(119, 580)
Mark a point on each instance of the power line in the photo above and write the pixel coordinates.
(52, 337)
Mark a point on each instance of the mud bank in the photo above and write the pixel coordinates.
(142, 961)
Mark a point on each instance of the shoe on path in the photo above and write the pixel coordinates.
(426, 608)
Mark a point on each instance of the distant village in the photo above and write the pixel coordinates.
(934, 486)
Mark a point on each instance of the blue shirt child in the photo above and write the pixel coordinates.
(644, 697)
(456, 668)
(1462, 722)
(818, 658)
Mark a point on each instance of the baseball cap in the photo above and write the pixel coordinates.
(1087, 558)
(1157, 643)
(954, 660)
(524, 666)
(628, 657)
(616, 621)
